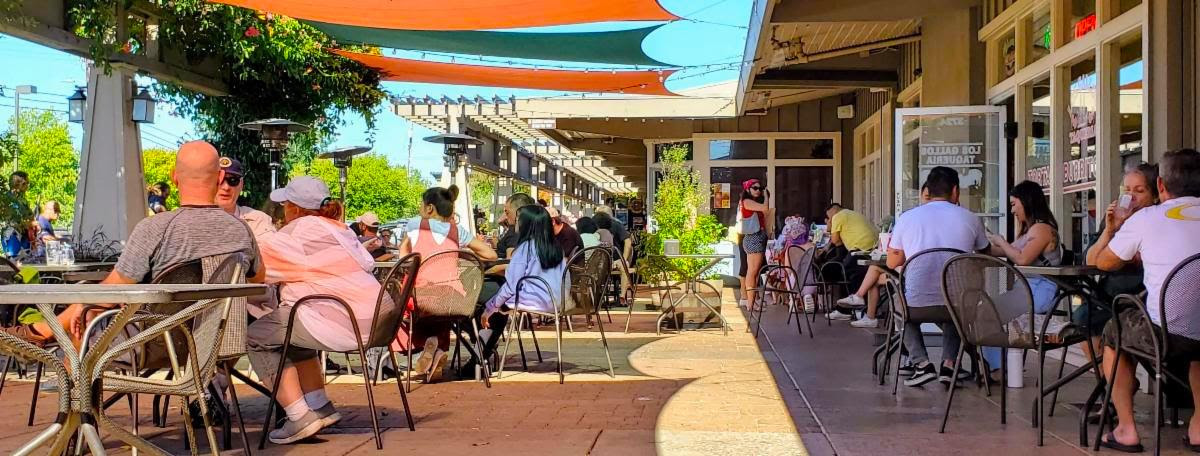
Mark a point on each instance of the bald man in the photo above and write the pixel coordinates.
(197, 229)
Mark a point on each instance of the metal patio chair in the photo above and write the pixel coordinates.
(923, 263)
(439, 298)
(1150, 342)
(390, 305)
(992, 306)
(779, 282)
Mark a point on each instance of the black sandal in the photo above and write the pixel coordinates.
(1188, 443)
(1110, 442)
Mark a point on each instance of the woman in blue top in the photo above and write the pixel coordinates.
(537, 255)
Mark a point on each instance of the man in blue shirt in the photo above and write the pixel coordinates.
(45, 221)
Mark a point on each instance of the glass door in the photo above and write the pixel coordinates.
(968, 139)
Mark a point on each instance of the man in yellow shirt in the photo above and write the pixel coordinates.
(850, 231)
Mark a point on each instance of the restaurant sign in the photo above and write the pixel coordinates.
(954, 155)
(1078, 171)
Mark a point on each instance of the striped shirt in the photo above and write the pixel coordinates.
(534, 296)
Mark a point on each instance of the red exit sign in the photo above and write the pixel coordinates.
(1085, 25)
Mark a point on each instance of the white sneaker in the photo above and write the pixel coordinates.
(852, 300)
(810, 304)
(743, 303)
(838, 315)
(865, 322)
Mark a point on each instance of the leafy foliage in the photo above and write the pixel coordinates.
(11, 212)
(680, 212)
(47, 155)
(157, 164)
(273, 67)
(392, 192)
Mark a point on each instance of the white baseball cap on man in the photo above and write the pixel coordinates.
(305, 191)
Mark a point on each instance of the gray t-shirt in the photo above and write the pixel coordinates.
(186, 234)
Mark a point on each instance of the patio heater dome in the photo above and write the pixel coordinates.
(456, 148)
(274, 135)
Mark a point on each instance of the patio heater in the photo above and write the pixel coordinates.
(456, 159)
(274, 135)
(342, 159)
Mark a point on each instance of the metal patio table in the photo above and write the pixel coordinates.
(74, 267)
(691, 288)
(75, 403)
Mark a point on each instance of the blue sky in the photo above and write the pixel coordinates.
(713, 32)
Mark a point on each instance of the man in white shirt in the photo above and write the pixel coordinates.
(1160, 237)
(939, 223)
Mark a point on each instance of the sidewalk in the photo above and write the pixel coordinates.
(698, 393)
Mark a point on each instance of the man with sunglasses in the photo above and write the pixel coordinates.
(227, 196)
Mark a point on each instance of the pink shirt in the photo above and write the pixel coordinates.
(315, 255)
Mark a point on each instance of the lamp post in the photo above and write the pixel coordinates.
(455, 145)
(21, 90)
(342, 159)
(274, 135)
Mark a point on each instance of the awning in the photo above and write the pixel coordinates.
(622, 47)
(408, 70)
(460, 14)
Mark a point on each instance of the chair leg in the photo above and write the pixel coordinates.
(8, 362)
(1160, 380)
(520, 344)
(507, 342)
(480, 346)
(952, 387)
(274, 400)
(1110, 381)
(533, 334)
(409, 373)
(403, 396)
(37, 385)
(987, 375)
(1041, 397)
(599, 324)
(899, 359)
(1054, 396)
(558, 339)
(226, 418)
(362, 359)
(1004, 388)
(237, 410)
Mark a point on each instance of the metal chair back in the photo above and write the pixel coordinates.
(1177, 301)
(448, 284)
(587, 283)
(927, 264)
(990, 302)
(394, 294)
(801, 261)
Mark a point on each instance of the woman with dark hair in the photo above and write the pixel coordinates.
(1037, 244)
(536, 255)
(752, 219)
(429, 234)
(588, 231)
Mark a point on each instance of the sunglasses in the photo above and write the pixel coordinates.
(756, 187)
(233, 180)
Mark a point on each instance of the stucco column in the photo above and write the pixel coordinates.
(111, 195)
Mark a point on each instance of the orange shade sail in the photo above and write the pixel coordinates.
(460, 14)
(407, 70)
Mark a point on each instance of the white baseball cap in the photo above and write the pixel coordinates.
(305, 191)
(369, 219)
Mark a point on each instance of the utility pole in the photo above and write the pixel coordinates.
(408, 164)
(26, 90)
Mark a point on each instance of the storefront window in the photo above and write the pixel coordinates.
(730, 149)
(1079, 179)
(804, 148)
(1037, 143)
(1039, 36)
(1083, 17)
(727, 189)
(1126, 5)
(1129, 79)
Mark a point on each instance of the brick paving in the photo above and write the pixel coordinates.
(674, 394)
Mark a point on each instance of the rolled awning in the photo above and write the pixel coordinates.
(623, 47)
(460, 14)
(408, 70)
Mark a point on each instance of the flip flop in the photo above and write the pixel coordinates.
(1188, 443)
(1110, 442)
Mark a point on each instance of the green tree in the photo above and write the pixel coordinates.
(681, 212)
(374, 184)
(157, 165)
(272, 67)
(47, 155)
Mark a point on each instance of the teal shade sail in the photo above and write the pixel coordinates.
(622, 47)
